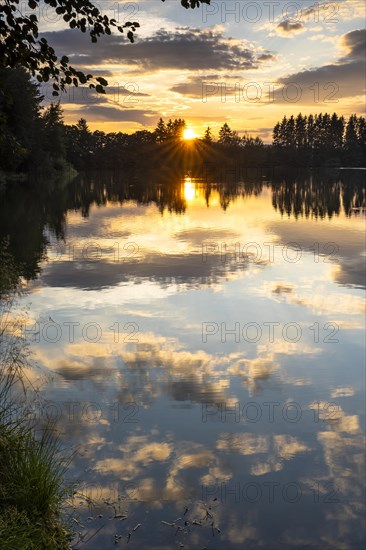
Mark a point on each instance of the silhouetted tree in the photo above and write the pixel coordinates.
(160, 131)
(175, 128)
(207, 138)
(300, 130)
(20, 119)
(228, 136)
(171, 131)
(351, 138)
(277, 135)
(336, 131)
(310, 131)
(54, 133)
(361, 131)
(249, 141)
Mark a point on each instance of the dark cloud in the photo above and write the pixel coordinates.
(337, 80)
(184, 48)
(117, 89)
(267, 57)
(83, 95)
(202, 86)
(195, 88)
(115, 114)
(189, 270)
(209, 86)
(289, 28)
(355, 42)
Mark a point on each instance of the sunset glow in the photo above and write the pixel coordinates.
(257, 69)
(189, 134)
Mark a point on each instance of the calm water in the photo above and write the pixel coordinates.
(201, 349)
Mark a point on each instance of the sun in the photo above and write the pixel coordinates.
(189, 133)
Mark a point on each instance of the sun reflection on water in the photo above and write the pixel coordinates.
(189, 189)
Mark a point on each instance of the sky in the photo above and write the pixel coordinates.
(247, 63)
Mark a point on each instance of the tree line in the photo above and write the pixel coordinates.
(320, 131)
(34, 138)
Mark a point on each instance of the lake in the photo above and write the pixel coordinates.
(198, 340)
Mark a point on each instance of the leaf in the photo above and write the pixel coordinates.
(102, 81)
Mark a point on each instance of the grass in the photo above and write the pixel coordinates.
(32, 465)
(31, 491)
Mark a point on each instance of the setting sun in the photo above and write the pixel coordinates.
(189, 133)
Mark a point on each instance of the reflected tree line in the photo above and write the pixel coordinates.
(31, 219)
(319, 200)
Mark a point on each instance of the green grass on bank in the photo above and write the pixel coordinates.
(32, 466)
(31, 491)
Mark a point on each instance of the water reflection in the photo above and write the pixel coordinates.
(34, 218)
(204, 341)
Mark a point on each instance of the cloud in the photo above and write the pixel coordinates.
(195, 88)
(348, 262)
(115, 114)
(182, 49)
(289, 28)
(267, 57)
(206, 88)
(243, 443)
(354, 43)
(345, 78)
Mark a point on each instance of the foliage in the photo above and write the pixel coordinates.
(19, 114)
(32, 136)
(20, 44)
(192, 3)
(9, 277)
